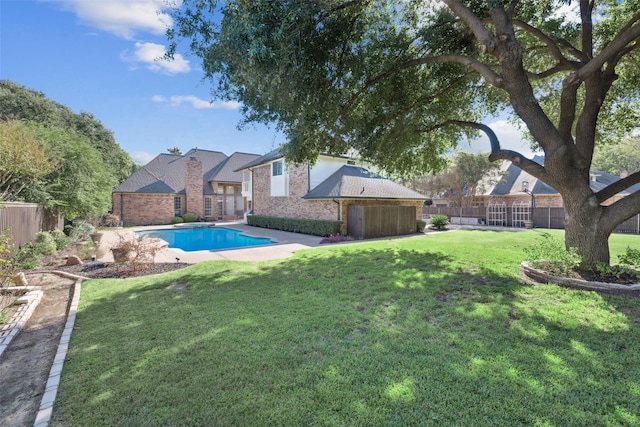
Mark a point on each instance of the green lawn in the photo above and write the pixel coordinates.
(431, 330)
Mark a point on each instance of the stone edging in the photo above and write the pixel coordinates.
(19, 318)
(542, 276)
(51, 389)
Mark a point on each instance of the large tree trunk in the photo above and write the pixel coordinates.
(585, 232)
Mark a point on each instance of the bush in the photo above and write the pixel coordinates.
(61, 239)
(316, 227)
(177, 220)
(551, 255)
(7, 268)
(68, 229)
(27, 257)
(81, 231)
(631, 257)
(189, 217)
(110, 220)
(421, 225)
(45, 244)
(439, 222)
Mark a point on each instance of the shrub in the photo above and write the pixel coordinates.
(551, 255)
(110, 220)
(61, 239)
(177, 220)
(316, 227)
(189, 217)
(67, 229)
(439, 222)
(45, 244)
(27, 257)
(420, 225)
(631, 257)
(81, 231)
(6, 271)
(140, 251)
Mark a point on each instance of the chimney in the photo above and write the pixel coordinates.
(624, 174)
(193, 187)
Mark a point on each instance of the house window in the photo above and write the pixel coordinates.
(220, 207)
(208, 207)
(276, 168)
(279, 179)
(177, 206)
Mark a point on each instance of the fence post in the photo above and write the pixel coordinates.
(548, 217)
(638, 225)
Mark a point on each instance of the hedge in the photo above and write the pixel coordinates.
(316, 227)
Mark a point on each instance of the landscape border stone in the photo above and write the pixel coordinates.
(542, 276)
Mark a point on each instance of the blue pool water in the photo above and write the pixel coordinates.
(205, 238)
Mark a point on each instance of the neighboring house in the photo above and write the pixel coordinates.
(519, 187)
(325, 190)
(201, 182)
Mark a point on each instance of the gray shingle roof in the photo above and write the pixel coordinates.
(271, 155)
(354, 182)
(229, 170)
(165, 173)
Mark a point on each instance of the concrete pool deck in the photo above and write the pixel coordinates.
(285, 244)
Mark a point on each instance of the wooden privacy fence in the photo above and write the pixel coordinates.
(368, 222)
(25, 220)
(541, 217)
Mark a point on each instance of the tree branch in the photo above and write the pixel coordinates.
(527, 165)
(621, 210)
(618, 44)
(618, 186)
(484, 36)
(540, 35)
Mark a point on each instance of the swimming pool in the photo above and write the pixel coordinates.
(205, 238)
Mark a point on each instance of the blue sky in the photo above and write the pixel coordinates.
(99, 56)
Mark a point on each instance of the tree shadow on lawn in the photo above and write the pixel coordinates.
(373, 337)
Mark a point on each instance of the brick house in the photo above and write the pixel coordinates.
(324, 190)
(519, 187)
(201, 182)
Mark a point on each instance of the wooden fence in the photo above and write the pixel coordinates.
(541, 217)
(368, 222)
(25, 220)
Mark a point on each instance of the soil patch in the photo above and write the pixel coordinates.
(25, 364)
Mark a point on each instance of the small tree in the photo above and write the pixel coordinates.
(23, 160)
(175, 150)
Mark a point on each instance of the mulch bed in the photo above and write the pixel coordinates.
(108, 270)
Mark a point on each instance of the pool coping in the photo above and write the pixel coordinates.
(285, 244)
(245, 233)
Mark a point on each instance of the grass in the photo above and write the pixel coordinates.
(430, 330)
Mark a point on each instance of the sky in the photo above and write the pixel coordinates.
(101, 57)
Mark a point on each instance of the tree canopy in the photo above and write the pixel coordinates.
(402, 82)
(618, 159)
(23, 160)
(461, 180)
(89, 163)
(18, 102)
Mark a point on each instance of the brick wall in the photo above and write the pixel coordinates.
(143, 209)
(294, 206)
(193, 186)
(291, 206)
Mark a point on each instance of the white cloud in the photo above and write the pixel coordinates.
(176, 101)
(151, 54)
(142, 157)
(124, 18)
